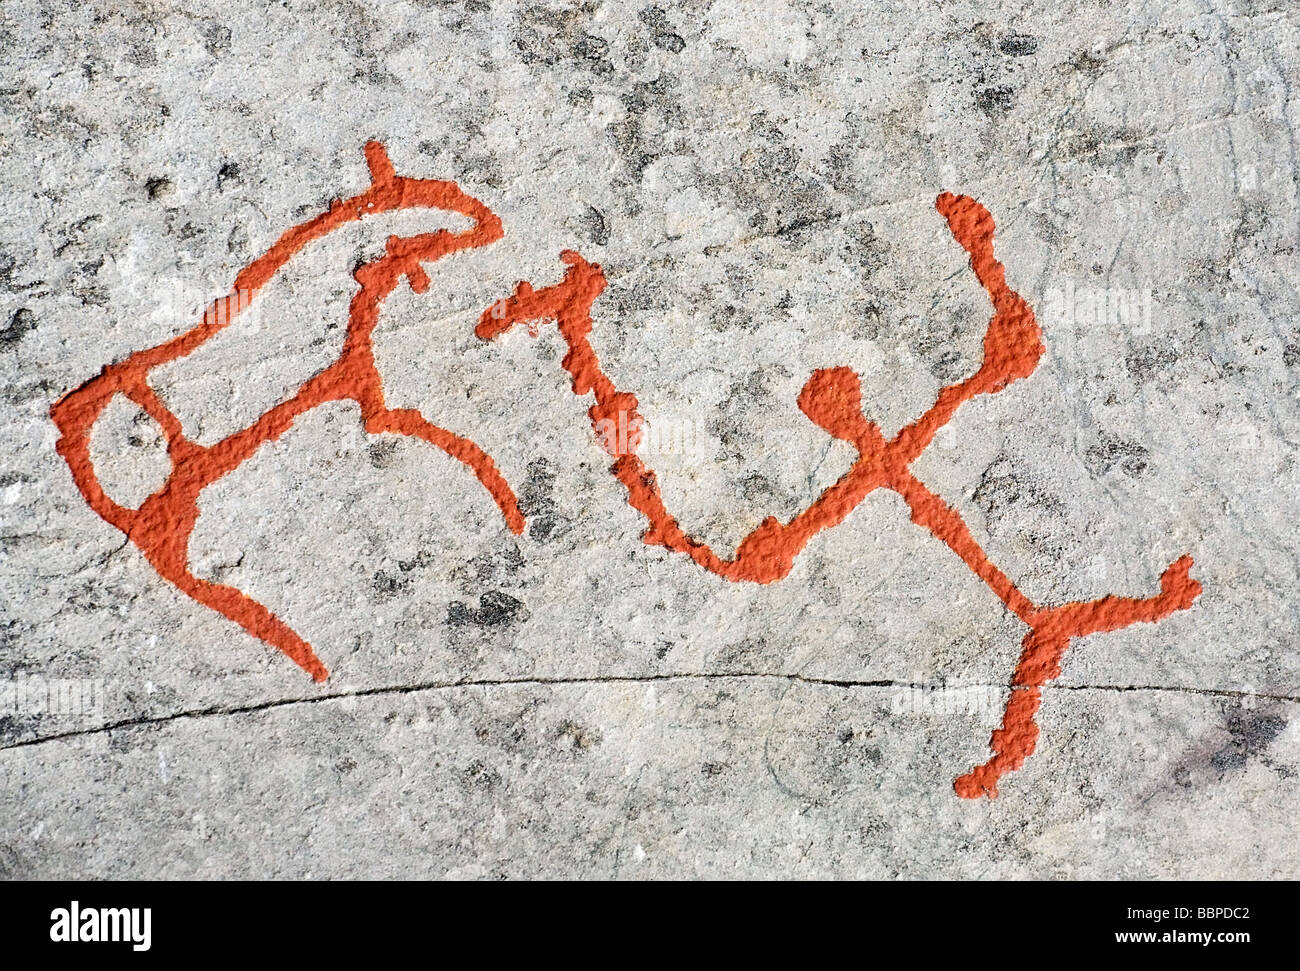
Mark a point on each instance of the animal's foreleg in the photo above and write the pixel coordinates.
(404, 421)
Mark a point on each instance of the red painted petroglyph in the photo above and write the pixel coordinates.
(831, 398)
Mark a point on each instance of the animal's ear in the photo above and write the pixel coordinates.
(832, 399)
(381, 167)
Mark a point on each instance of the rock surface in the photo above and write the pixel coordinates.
(758, 183)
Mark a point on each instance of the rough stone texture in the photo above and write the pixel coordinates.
(757, 181)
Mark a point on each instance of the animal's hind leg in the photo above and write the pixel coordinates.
(405, 421)
(256, 619)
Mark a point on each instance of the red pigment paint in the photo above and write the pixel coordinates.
(162, 526)
(831, 398)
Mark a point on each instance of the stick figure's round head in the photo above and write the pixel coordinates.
(832, 399)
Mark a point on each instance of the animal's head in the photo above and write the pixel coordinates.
(390, 192)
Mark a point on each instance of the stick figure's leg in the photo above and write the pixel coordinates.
(946, 524)
(1016, 739)
(1040, 662)
(1051, 629)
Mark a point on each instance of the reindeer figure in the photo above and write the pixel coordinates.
(831, 398)
(162, 526)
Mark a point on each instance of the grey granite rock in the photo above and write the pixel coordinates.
(758, 182)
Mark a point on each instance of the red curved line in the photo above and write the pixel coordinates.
(832, 399)
(162, 526)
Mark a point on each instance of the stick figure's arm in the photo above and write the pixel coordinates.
(1013, 342)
